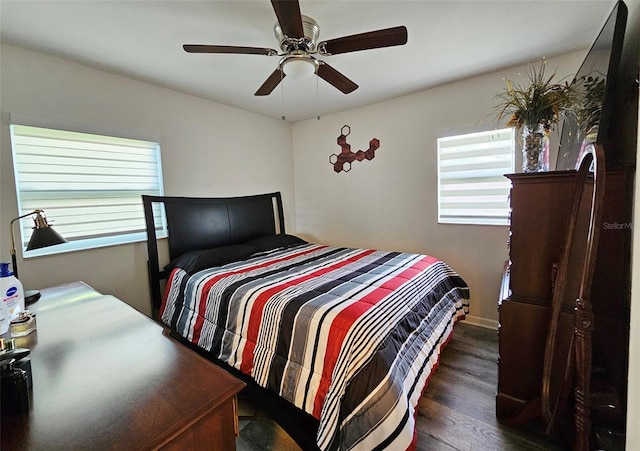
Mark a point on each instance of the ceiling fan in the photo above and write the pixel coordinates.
(298, 37)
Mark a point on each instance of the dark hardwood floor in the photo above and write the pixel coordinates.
(456, 412)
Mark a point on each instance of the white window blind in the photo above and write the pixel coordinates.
(472, 188)
(89, 185)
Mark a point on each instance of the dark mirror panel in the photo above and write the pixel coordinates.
(594, 82)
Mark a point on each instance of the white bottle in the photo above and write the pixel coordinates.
(4, 319)
(11, 292)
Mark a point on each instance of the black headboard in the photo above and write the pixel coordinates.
(201, 223)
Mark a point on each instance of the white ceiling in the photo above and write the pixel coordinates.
(448, 40)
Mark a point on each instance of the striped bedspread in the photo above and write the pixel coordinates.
(350, 336)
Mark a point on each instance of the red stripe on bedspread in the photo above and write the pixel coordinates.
(343, 322)
(255, 319)
(197, 329)
(165, 295)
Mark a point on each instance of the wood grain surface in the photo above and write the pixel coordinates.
(105, 377)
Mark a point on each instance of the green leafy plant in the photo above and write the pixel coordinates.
(541, 102)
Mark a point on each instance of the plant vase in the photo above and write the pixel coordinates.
(535, 149)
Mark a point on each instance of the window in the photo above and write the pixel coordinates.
(472, 188)
(89, 185)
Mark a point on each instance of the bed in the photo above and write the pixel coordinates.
(336, 344)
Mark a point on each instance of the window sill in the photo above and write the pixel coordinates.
(93, 243)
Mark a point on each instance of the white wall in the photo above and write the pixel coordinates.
(390, 202)
(208, 149)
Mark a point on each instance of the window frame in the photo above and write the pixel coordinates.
(494, 176)
(76, 244)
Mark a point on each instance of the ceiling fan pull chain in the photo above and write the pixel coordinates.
(317, 100)
(283, 117)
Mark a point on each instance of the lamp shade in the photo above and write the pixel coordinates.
(43, 237)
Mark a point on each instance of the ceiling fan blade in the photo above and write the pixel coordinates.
(289, 17)
(335, 78)
(387, 37)
(197, 48)
(269, 85)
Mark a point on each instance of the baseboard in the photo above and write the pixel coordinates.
(481, 322)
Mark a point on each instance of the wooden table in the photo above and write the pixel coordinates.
(105, 377)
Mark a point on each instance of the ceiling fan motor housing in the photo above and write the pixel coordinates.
(307, 43)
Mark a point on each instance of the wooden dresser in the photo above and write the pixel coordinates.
(539, 216)
(105, 377)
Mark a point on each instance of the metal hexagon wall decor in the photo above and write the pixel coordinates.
(343, 160)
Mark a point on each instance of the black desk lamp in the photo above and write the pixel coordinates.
(43, 235)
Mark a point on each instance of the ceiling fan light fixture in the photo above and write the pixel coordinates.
(298, 68)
